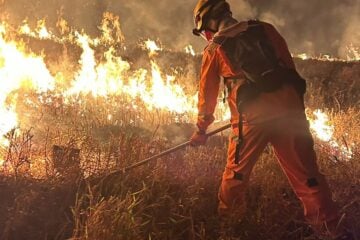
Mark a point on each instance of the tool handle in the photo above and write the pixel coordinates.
(171, 150)
(219, 130)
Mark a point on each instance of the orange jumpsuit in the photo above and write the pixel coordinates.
(278, 118)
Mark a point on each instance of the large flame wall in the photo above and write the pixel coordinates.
(73, 66)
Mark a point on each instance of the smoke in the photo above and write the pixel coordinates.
(80, 14)
(351, 35)
(314, 27)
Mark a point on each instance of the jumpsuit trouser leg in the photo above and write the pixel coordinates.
(235, 177)
(293, 146)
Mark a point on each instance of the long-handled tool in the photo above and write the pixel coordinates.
(171, 150)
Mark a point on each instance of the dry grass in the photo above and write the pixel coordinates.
(173, 197)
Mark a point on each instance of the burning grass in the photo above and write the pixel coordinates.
(98, 107)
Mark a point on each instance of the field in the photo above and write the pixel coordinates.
(54, 181)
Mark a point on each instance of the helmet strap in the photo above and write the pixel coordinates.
(207, 35)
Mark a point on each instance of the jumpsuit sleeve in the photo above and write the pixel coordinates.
(208, 89)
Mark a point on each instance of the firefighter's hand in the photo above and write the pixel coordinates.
(198, 138)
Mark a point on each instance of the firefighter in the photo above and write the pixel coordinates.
(273, 114)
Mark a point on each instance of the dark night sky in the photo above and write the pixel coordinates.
(311, 26)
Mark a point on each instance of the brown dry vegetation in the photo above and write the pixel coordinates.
(174, 197)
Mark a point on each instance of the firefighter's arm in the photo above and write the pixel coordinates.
(208, 90)
(207, 96)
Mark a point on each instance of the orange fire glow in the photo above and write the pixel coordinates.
(21, 69)
(110, 77)
(18, 70)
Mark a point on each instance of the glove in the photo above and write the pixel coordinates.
(198, 138)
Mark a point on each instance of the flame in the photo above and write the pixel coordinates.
(25, 29)
(109, 78)
(8, 121)
(324, 131)
(111, 29)
(42, 31)
(322, 57)
(165, 94)
(190, 50)
(144, 88)
(63, 26)
(353, 53)
(303, 56)
(18, 70)
(152, 47)
(87, 79)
